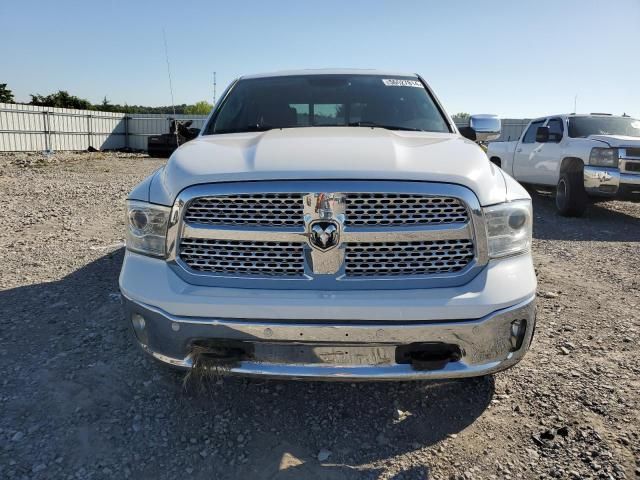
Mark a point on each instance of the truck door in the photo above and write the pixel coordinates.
(545, 164)
(524, 157)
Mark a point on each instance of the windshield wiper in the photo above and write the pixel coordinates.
(387, 127)
(255, 127)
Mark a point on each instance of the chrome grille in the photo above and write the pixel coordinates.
(632, 152)
(390, 234)
(257, 209)
(407, 258)
(633, 167)
(391, 209)
(249, 258)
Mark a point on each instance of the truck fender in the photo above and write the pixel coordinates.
(142, 191)
(570, 164)
(513, 189)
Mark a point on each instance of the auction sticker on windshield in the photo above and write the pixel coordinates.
(396, 82)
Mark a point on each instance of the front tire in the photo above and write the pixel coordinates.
(571, 198)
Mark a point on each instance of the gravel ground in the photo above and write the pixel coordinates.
(79, 401)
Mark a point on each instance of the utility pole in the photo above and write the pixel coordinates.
(575, 104)
(214, 89)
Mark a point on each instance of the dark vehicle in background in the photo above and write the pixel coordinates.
(164, 145)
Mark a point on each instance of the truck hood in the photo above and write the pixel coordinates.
(617, 140)
(329, 153)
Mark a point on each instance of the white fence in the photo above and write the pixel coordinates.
(30, 128)
(512, 128)
(25, 128)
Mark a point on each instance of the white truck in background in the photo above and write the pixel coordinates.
(596, 155)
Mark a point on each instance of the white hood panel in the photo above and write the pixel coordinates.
(330, 153)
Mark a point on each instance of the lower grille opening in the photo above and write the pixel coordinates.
(428, 355)
(212, 359)
(220, 352)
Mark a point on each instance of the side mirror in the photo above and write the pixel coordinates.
(482, 128)
(542, 135)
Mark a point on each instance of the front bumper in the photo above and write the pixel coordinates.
(340, 350)
(610, 182)
(338, 335)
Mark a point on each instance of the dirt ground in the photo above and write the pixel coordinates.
(77, 400)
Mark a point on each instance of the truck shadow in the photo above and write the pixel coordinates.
(603, 221)
(81, 376)
(359, 423)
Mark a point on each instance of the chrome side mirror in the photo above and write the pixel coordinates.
(482, 128)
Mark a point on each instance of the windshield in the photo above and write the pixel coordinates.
(585, 126)
(396, 103)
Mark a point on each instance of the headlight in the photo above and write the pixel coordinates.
(604, 157)
(508, 228)
(147, 227)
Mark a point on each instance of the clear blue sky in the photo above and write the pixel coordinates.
(514, 58)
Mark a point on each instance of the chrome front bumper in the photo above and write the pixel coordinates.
(609, 182)
(341, 350)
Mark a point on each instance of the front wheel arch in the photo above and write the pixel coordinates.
(571, 197)
(571, 164)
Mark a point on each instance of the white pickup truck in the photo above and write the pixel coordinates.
(594, 155)
(332, 225)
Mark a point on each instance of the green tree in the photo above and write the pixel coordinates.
(105, 106)
(6, 95)
(199, 108)
(60, 99)
(461, 117)
(126, 108)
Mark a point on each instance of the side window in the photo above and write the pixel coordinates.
(555, 129)
(302, 113)
(530, 136)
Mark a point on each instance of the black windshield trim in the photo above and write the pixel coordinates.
(450, 125)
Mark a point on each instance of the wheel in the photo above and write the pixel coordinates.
(571, 198)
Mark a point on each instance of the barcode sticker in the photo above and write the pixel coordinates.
(397, 82)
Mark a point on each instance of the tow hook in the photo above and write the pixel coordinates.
(428, 356)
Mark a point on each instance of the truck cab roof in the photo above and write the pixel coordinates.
(569, 115)
(329, 71)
